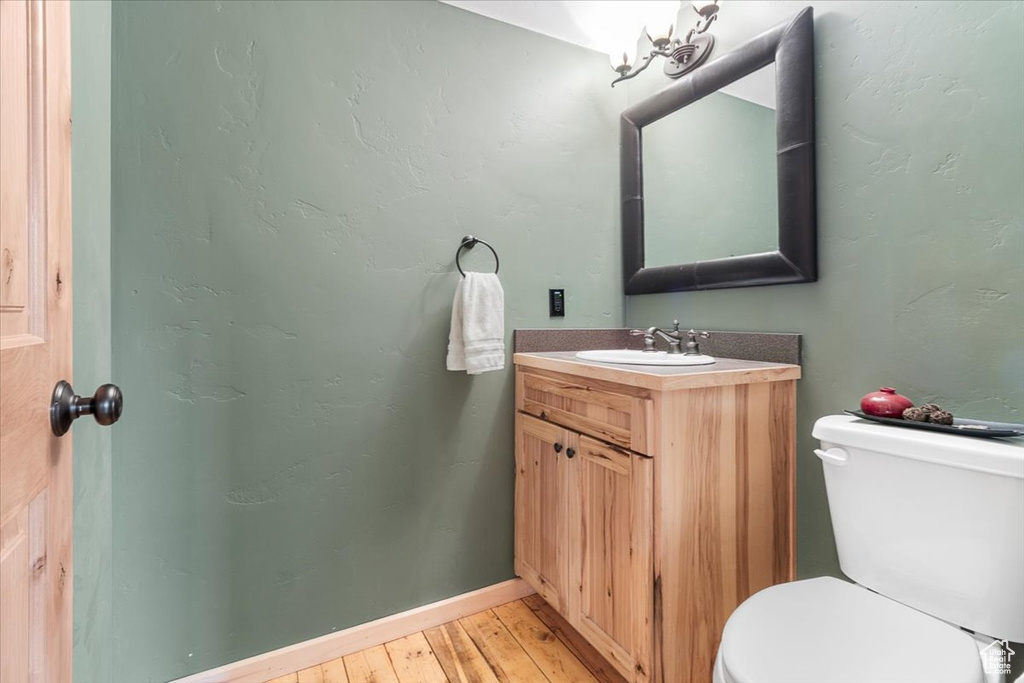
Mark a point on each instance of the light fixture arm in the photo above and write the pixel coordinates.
(708, 16)
(646, 63)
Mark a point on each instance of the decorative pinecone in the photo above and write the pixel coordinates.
(941, 417)
(931, 407)
(917, 414)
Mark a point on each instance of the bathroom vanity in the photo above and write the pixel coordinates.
(651, 501)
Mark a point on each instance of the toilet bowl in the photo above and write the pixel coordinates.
(829, 631)
(931, 528)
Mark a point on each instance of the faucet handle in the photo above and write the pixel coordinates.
(692, 348)
(675, 325)
(648, 339)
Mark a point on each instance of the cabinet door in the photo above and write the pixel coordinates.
(542, 508)
(613, 567)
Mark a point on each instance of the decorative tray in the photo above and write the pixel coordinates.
(979, 428)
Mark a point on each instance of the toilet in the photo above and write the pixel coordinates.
(930, 527)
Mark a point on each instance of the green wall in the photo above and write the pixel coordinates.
(920, 130)
(90, 186)
(291, 181)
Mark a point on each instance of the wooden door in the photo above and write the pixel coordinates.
(542, 508)
(614, 564)
(35, 340)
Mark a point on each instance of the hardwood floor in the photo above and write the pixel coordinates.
(519, 642)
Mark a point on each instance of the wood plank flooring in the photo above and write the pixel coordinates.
(520, 642)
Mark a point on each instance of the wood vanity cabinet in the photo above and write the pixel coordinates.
(648, 506)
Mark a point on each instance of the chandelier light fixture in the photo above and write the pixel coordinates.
(682, 56)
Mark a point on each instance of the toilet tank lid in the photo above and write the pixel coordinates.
(996, 456)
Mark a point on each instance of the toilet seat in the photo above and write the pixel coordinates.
(829, 631)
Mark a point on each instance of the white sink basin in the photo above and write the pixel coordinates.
(628, 357)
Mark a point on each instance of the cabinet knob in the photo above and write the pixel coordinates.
(570, 452)
(558, 447)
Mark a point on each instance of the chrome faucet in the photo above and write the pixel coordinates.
(674, 339)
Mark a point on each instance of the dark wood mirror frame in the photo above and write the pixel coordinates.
(791, 47)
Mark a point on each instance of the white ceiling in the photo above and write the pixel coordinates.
(580, 22)
(590, 24)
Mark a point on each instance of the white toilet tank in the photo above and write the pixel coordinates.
(935, 521)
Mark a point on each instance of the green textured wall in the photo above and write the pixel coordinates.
(920, 130)
(709, 182)
(90, 185)
(290, 183)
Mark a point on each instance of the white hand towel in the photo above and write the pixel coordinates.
(476, 342)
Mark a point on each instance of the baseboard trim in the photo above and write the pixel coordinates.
(333, 645)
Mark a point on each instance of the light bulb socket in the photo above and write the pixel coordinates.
(661, 42)
(706, 9)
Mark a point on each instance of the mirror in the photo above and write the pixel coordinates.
(711, 166)
(718, 171)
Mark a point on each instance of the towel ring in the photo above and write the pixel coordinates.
(468, 242)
